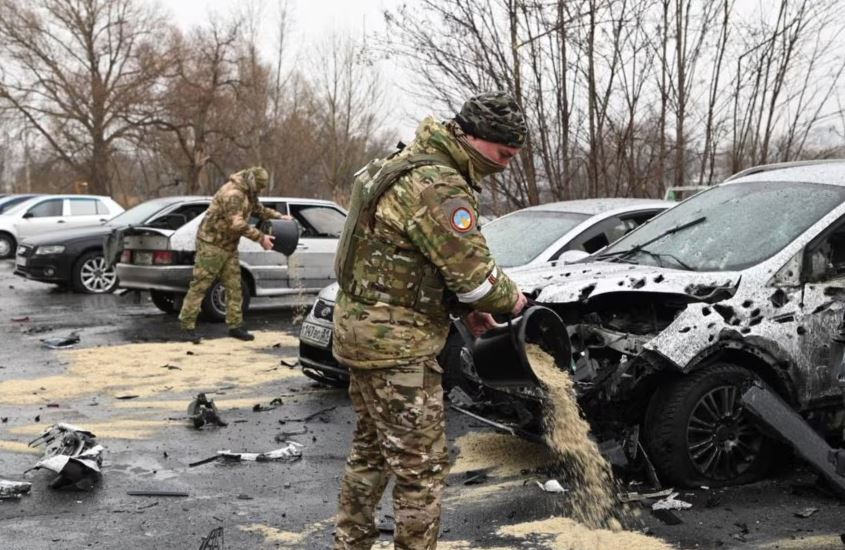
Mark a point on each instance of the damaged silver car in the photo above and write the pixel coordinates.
(743, 282)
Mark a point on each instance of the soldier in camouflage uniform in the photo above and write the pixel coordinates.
(217, 248)
(410, 255)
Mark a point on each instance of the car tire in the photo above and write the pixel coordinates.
(165, 301)
(450, 361)
(8, 245)
(214, 303)
(91, 276)
(697, 432)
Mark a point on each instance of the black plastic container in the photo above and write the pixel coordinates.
(286, 233)
(499, 355)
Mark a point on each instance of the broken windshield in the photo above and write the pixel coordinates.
(745, 224)
(520, 237)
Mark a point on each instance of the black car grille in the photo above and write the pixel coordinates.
(25, 250)
(318, 355)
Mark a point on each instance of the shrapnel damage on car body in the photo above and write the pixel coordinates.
(772, 313)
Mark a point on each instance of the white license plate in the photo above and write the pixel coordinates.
(316, 334)
(21, 261)
(143, 258)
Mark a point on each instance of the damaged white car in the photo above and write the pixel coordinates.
(743, 282)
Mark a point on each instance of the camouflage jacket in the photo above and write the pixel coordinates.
(227, 219)
(425, 227)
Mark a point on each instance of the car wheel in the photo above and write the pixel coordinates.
(8, 244)
(165, 301)
(325, 378)
(214, 303)
(91, 276)
(450, 361)
(698, 433)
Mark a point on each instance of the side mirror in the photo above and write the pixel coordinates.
(28, 215)
(572, 256)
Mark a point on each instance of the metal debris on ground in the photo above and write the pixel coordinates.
(276, 402)
(806, 512)
(671, 503)
(551, 486)
(282, 437)
(25, 319)
(13, 489)
(289, 453)
(61, 342)
(124, 397)
(71, 452)
(202, 411)
(157, 493)
(475, 477)
(308, 418)
(636, 497)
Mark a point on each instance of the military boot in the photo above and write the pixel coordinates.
(241, 334)
(189, 335)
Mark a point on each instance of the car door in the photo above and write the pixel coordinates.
(42, 217)
(819, 322)
(84, 212)
(269, 268)
(312, 265)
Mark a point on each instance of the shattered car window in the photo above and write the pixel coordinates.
(519, 238)
(743, 225)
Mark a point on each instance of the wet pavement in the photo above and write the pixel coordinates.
(149, 445)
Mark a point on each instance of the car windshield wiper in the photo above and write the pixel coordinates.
(619, 254)
(659, 257)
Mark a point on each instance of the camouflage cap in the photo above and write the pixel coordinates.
(493, 116)
(261, 176)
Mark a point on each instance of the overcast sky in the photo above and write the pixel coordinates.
(311, 21)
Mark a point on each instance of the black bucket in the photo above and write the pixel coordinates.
(286, 233)
(499, 355)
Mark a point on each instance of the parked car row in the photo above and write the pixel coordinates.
(741, 283)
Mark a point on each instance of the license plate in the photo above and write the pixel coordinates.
(316, 334)
(143, 258)
(21, 261)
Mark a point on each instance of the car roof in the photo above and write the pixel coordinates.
(828, 171)
(597, 206)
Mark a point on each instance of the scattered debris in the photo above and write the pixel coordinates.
(637, 497)
(25, 319)
(127, 397)
(171, 367)
(52, 405)
(4, 419)
(288, 364)
(475, 477)
(189, 352)
(551, 486)
(13, 489)
(202, 411)
(282, 437)
(671, 503)
(806, 512)
(289, 453)
(244, 496)
(276, 402)
(61, 342)
(310, 416)
(71, 452)
(157, 493)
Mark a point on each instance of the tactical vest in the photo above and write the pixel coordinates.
(370, 268)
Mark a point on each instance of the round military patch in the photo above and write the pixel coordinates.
(463, 220)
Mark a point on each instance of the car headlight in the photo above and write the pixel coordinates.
(44, 250)
(323, 310)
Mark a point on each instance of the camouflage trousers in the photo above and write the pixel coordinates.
(400, 431)
(210, 264)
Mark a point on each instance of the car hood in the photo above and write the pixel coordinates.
(582, 281)
(61, 237)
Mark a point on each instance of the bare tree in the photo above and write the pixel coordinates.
(80, 73)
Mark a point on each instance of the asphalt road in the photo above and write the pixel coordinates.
(149, 445)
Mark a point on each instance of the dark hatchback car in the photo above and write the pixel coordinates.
(74, 258)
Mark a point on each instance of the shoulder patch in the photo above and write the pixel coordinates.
(462, 219)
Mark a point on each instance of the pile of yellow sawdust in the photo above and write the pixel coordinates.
(566, 534)
(287, 539)
(139, 369)
(504, 454)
